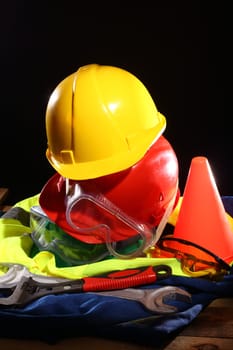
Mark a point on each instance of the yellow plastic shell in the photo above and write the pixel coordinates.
(100, 120)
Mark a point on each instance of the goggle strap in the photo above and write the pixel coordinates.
(162, 224)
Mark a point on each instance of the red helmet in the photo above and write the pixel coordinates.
(142, 192)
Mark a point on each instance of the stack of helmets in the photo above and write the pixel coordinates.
(103, 128)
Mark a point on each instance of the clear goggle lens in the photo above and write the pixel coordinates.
(87, 214)
(90, 213)
(70, 251)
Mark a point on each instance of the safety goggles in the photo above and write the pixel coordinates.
(88, 212)
(69, 251)
(195, 260)
(87, 217)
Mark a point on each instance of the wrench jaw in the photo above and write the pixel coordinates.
(13, 275)
(18, 284)
(156, 300)
(16, 272)
(167, 295)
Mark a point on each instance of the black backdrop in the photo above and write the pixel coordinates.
(178, 49)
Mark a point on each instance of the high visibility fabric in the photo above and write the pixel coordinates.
(16, 246)
(53, 317)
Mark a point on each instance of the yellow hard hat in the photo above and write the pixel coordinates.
(100, 120)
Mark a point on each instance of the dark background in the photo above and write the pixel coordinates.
(178, 49)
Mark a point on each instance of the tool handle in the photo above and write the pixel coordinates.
(120, 279)
(32, 289)
(29, 289)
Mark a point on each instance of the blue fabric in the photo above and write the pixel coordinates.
(55, 316)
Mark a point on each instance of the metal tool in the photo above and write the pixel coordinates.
(17, 271)
(153, 299)
(28, 289)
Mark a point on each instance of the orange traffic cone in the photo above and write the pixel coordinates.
(202, 218)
